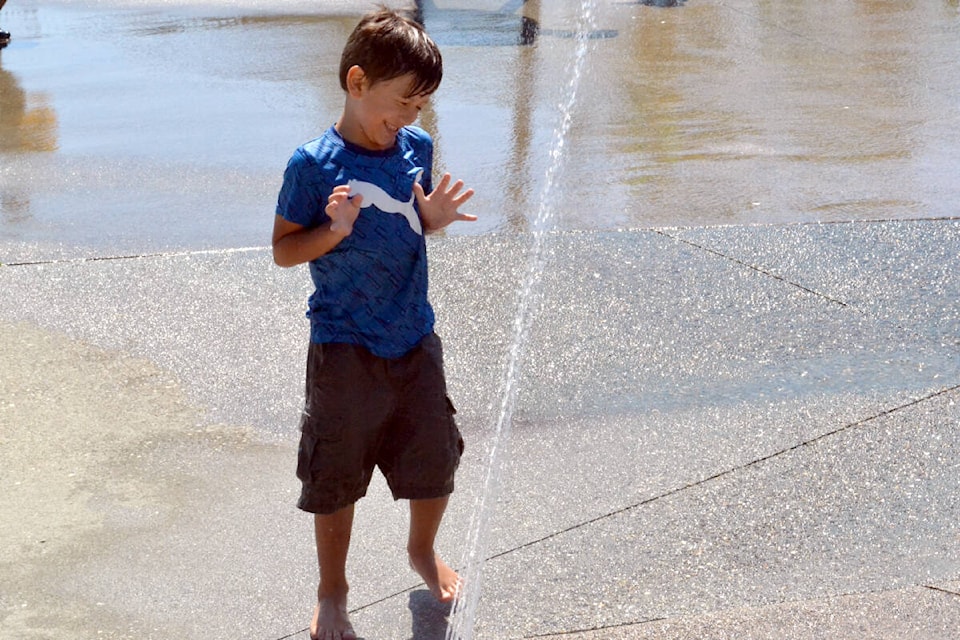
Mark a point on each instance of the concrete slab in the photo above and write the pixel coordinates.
(887, 270)
(861, 511)
(743, 431)
(909, 613)
(871, 508)
(692, 435)
(125, 514)
(633, 321)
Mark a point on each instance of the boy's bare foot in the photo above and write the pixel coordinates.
(330, 621)
(443, 582)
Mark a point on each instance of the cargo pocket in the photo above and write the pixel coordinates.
(305, 455)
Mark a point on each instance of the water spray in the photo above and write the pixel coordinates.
(464, 610)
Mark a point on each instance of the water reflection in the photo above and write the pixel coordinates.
(510, 24)
(27, 124)
(716, 112)
(522, 126)
(769, 112)
(515, 23)
(512, 28)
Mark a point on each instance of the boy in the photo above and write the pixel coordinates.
(355, 205)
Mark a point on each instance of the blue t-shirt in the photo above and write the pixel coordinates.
(371, 289)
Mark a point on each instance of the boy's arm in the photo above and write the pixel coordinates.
(295, 244)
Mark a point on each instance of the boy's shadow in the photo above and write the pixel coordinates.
(429, 616)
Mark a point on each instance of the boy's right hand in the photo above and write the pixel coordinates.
(343, 210)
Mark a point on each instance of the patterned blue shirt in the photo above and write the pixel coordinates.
(371, 289)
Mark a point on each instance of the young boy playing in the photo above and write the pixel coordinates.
(356, 203)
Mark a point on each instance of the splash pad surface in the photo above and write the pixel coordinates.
(721, 427)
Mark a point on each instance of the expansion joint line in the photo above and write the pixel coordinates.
(361, 607)
(731, 471)
(769, 274)
(605, 627)
(764, 272)
(644, 621)
(942, 590)
(672, 492)
(135, 256)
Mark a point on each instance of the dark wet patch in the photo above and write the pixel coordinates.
(662, 3)
(228, 22)
(448, 27)
(470, 28)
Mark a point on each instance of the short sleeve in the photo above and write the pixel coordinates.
(427, 180)
(422, 145)
(301, 196)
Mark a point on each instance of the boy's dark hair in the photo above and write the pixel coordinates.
(387, 44)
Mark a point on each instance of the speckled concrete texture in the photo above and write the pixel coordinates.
(915, 613)
(738, 411)
(748, 432)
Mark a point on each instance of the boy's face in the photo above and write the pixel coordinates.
(380, 110)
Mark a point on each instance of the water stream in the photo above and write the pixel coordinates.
(464, 611)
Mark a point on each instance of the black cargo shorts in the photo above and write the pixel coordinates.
(362, 411)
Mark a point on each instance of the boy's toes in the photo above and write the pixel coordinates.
(330, 622)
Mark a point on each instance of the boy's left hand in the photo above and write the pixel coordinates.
(439, 209)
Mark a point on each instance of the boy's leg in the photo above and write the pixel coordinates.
(425, 517)
(330, 620)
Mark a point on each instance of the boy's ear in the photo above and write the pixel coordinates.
(356, 81)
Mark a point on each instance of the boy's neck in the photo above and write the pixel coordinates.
(352, 133)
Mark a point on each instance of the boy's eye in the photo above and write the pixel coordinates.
(407, 103)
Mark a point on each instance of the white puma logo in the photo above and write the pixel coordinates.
(374, 196)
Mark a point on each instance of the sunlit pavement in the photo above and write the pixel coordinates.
(746, 431)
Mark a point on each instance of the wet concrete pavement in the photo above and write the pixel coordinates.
(742, 430)
(740, 444)
(122, 121)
